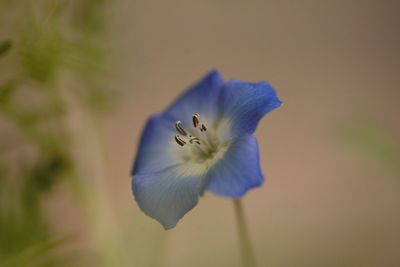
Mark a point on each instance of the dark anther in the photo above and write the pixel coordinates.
(194, 139)
(180, 129)
(179, 140)
(196, 120)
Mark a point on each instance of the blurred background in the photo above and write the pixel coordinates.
(78, 80)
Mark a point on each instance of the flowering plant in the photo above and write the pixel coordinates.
(203, 142)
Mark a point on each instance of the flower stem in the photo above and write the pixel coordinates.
(246, 249)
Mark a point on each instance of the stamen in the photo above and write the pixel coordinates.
(179, 128)
(185, 136)
(196, 120)
(194, 139)
(179, 140)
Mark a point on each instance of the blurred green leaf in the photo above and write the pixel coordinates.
(41, 49)
(40, 255)
(5, 47)
(51, 38)
(6, 91)
(49, 169)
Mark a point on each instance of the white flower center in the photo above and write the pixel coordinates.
(202, 145)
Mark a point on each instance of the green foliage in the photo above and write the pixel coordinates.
(41, 50)
(21, 222)
(34, 150)
(38, 255)
(6, 91)
(5, 46)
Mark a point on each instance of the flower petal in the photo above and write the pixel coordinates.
(155, 149)
(168, 195)
(244, 104)
(238, 170)
(201, 98)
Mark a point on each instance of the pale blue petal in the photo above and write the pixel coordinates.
(244, 104)
(154, 148)
(238, 170)
(201, 98)
(167, 195)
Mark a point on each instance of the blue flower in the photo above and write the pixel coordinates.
(203, 141)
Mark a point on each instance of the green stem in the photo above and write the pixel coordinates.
(246, 248)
